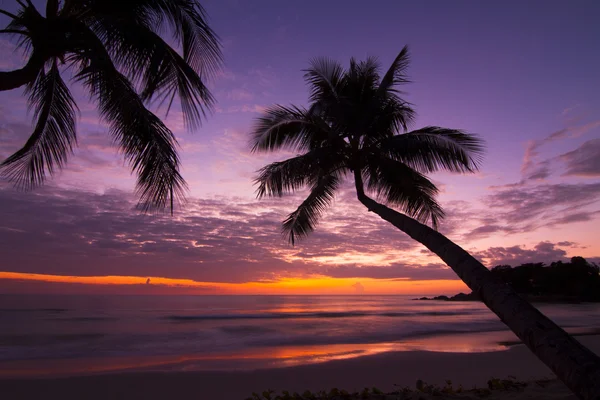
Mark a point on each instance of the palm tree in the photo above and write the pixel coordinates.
(357, 125)
(114, 49)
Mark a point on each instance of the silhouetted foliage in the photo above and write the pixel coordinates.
(116, 50)
(577, 280)
(574, 281)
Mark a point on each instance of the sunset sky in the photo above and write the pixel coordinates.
(522, 75)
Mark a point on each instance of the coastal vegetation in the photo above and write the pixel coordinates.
(421, 389)
(575, 281)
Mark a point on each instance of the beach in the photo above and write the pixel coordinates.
(386, 371)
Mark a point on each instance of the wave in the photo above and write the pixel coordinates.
(370, 338)
(45, 340)
(28, 310)
(303, 315)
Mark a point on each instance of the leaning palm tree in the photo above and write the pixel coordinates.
(357, 126)
(114, 49)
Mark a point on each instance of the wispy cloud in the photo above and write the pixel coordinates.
(542, 252)
(530, 207)
(583, 161)
(534, 169)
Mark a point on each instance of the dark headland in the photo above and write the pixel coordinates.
(576, 281)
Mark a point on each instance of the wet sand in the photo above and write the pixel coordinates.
(383, 371)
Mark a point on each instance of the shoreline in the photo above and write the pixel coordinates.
(386, 371)
(266, 358)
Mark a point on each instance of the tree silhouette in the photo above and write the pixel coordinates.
(114, 49)
(357, 126)
(576, 280)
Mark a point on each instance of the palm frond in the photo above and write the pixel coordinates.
(396, 74)
(148, 145)
(144, 56)
(303, 221)
(186, 19)
(433, 148)
(282, 177)
(388, 116)
(401, 186)
(290, 128)
(324, 77)
(26, 17)
(8, 14)
(368, 77)
(54, 135)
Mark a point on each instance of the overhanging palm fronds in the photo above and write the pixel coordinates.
(147, 143)
(53, 137)
(116, 50)
(160, 71)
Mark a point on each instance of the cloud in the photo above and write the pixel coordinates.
(542, 252)
(394, 271)
(239, 95)
(358, 287)
(531, 168)
(566, 244)
(61, 231)
(569, 110)
(583, 161)
(265, 77)
(245, 108)
(528, 207)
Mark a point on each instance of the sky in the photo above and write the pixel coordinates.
(522, 75)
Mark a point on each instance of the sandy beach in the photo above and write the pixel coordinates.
(387, 372)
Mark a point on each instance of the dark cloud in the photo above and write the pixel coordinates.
(540, 172)
(395, 271)
(528, 207)
(534, 169)
(583, 161)
(59, 231)
(566, 244)
(358, 287)
(486, 230)
(543, 252)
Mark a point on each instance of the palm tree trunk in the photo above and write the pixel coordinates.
(573, 363)
(19, 77)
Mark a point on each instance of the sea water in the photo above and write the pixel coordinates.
(78, 334)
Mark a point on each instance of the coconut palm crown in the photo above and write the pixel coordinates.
(357, 124)
(114, 49)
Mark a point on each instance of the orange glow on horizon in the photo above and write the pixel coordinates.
(308, 285)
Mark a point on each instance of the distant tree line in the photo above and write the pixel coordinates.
(577, 280)
(574, 281)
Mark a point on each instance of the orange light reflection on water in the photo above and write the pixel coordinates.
(264, 357)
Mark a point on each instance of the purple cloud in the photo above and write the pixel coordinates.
(60, 231)
(543, 252)
(583, 161)
(541, 205)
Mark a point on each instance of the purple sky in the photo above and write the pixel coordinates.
(523, 75)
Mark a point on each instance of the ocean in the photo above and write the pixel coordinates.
(55, 335)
